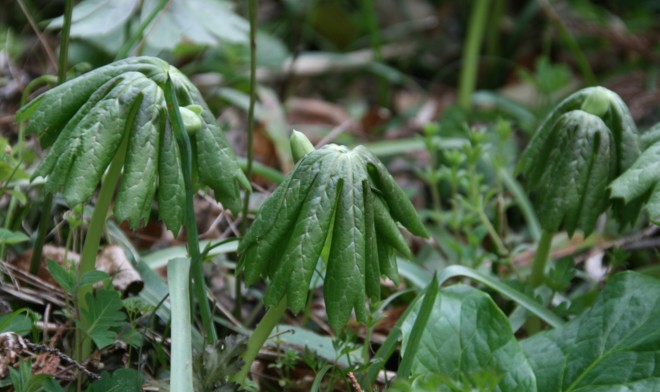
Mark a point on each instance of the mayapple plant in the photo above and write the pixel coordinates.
(337, 204)
(142, 120)
(587, 141)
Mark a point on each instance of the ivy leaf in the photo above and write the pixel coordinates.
(102, 315)
(469, 338)
(89, 120)
(330, 201)
(614, 345)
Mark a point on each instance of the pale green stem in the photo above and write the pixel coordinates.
(181, 367)
(259, 337)
(197, 271)
(541, 259)
(93, 237)
(468, 77)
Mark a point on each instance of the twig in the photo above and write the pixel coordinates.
(14, 343)
(354, 382)
(40, 36)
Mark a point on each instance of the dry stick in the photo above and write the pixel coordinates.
(40, 37)
(20, 344)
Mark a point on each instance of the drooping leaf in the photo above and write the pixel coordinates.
(328, 202)
(613, 346)
(573, 190)
(583, 144)
(469, 337)
(306, 239)
(102, 316)
(87, 119)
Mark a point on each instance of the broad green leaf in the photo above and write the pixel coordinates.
(469, 337)
(102, 316)
(12, 237)
(613, 346)
(98, 17)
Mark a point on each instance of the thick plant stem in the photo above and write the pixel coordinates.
(258, 338)
(93, 238)
(541, 259)
(197, 272)
(468, 78)
(252, 14)
(181, 369)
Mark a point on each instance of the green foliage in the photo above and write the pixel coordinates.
(12, 237)
(575, 155)
(121, 380)
(102, 317)
(336, 198)
(68, 278)
(469, 337)
(213, 367)
(642, 180)
(202, 22)
(613, 345)
(86, 120)
(23, 380)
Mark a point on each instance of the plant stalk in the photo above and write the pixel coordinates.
(468, 77)
(42, 231)
(93, 238)
(196, 269)
(259, 337)
(252, 15)
(541, 259)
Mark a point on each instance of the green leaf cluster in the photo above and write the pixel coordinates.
(587, 141)
(337, 202)
(87, 119)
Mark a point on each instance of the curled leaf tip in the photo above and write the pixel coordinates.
(300, 145)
